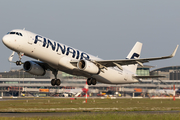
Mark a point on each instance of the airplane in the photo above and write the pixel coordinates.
(163, 91)
(55, 56)
(76, 92)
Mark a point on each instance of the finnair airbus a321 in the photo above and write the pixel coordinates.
(55, 56)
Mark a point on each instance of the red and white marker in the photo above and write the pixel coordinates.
(86, 90)
(174, 93)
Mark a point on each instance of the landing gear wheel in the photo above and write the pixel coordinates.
(20, 54)
(89, 81)
(53, 82)
(58, 82)
(18, 63)
(93, 81)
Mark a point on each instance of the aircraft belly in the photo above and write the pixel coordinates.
(112, 76)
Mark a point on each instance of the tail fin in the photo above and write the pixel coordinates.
(134, 54)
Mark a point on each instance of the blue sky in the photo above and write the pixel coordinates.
(104, 28)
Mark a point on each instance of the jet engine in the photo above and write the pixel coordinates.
(88, 67)
(34, 68)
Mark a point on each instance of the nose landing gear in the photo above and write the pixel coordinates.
(18, 62)
(20, 54)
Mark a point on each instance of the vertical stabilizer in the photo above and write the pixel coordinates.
(134, 54)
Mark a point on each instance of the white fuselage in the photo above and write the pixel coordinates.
(59, 56)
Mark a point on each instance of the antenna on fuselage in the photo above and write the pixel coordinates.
(23, 28)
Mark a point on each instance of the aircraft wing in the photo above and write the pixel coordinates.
(145, 77)
(142, 77)
(44, 65)
(111, 63)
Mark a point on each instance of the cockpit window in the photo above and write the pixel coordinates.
(17, 33)
(12, 33)
(20, 34)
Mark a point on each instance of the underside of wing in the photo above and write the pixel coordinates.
(44, 65)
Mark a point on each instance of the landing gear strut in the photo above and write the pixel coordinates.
(20, 57)
(55, 81)
(91, 81)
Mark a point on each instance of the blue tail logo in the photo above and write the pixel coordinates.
(135, 55)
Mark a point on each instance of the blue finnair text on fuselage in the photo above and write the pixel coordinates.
(64, 49)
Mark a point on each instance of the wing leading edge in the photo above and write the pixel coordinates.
(111, 63)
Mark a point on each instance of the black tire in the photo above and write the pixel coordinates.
(58, 82)
(89, 81)
(53, 82)
(93, 81)
(18, 62)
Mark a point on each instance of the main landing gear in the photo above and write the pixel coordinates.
(55, 81)
(91, 81)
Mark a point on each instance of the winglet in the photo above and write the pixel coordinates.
(173, 54)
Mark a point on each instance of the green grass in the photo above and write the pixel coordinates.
(94, 106)
(67, 105)
(103, 117)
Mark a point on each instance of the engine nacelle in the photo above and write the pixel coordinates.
(33, 68)
(88, 66)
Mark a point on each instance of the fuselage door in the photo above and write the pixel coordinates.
(30, 38)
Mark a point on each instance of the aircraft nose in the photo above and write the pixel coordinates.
(6, 40)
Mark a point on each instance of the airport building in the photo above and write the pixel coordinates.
(20, 83)
(170, 73)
